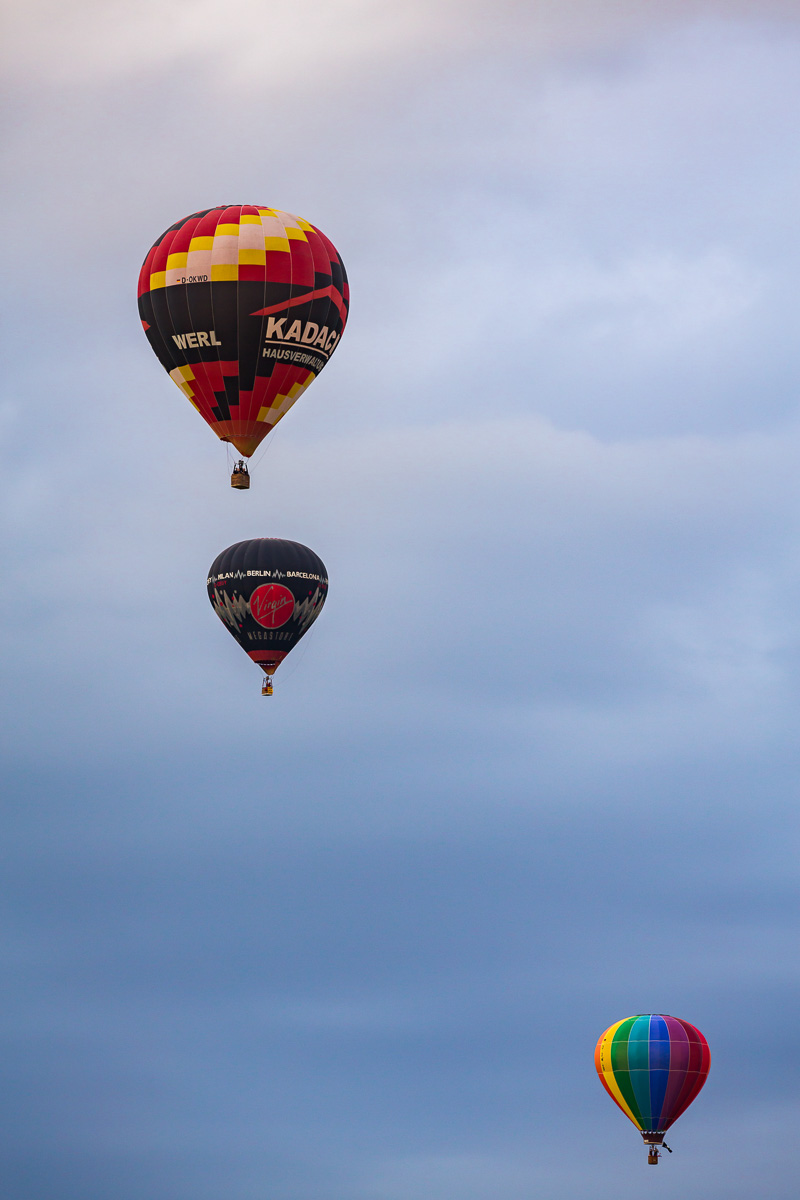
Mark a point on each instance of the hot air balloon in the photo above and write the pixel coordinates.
(243, 305)
(268, 592)
(652, 1066)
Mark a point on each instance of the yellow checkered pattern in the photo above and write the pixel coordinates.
(233, 244)
(183, 376)
(284, 401)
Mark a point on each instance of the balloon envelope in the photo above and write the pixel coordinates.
(652, 1066)
(268, 592)
(243, 305)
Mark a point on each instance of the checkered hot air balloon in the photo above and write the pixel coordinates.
(652, 1067)
(243, 305)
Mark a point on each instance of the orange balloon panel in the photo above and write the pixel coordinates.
(243, 306)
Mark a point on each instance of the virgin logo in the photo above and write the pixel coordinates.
(272, 605)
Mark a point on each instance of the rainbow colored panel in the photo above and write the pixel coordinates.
(652, 1066)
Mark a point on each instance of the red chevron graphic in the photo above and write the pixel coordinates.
(331, 291)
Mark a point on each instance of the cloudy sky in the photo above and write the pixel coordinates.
(536, 767)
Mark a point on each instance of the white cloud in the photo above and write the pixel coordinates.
(309, 44)
(618, 581)
(301, 46)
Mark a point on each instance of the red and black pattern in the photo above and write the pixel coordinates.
(243, 307)
(268, 592)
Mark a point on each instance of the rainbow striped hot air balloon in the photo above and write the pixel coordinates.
(652, 1066)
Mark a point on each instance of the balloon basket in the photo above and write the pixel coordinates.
(652, 1141)
(266, 687)
(240, 478)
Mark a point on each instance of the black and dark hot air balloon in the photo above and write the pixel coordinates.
(268, 592)
(243, 305)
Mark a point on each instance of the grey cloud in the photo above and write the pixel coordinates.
(359, 940)
(219, 968)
